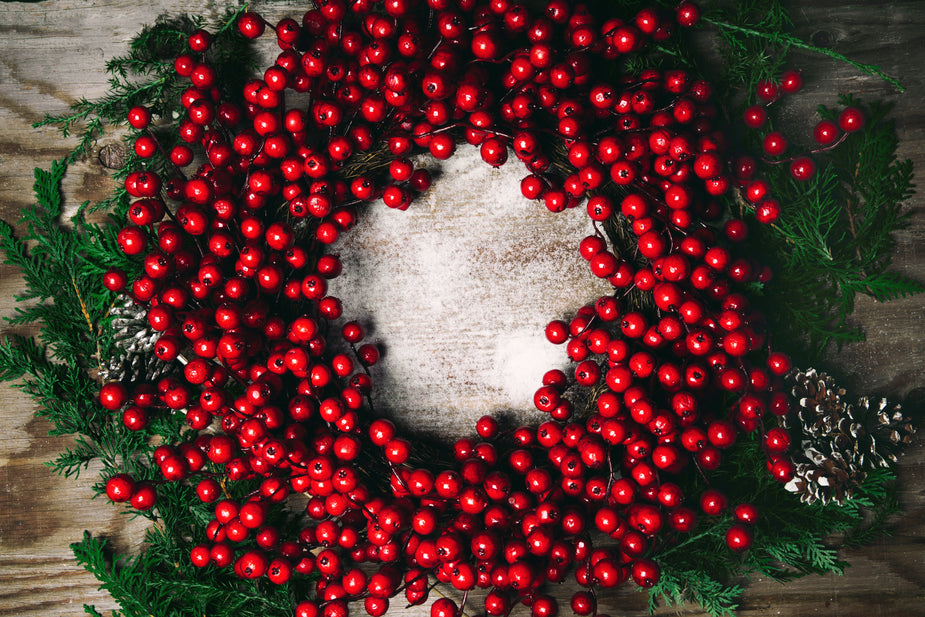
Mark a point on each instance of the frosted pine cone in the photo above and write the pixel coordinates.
(840, 443)
(133, 357)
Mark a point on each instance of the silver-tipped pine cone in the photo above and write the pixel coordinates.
(134, 358)
(839, 443)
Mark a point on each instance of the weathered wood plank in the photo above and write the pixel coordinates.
(53, 52)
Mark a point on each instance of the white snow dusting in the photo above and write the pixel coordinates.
(458, 289)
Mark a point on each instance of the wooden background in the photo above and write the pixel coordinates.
(53, 52)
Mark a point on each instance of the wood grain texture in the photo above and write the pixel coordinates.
(53, 52)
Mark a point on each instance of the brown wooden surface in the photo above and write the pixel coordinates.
(53, 52)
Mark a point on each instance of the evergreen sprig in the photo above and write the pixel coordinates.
(754, 43)
(162, 581)
(751, 39)
(792, 539)
(62, 266)
(676, 587)
(834, 239)
(760, 30)
(159, 582)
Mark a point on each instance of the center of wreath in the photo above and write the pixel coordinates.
(457, 290)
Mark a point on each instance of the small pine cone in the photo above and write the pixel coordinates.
(820, 404)
(134, 357)
(887, 425)
(840, 443)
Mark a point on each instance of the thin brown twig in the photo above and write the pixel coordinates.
(93, 332)
(854, 234)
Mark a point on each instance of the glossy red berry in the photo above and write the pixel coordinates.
(774, 143)
(777, 440)
(251, 25)
(139, 117)
(755, 116)
(113, 395)
(746, 513)
(802, 168)
(791, 81)
(132, 240)
(826, 132)
(144, 496)
(120, 487)
(851, 119)
(738, 537)
(250, 565)
(768, 91)
(713, 502)
(687, 14)
(646, 573)
(200, 41)
(783, 470)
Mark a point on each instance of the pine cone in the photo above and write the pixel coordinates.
(840, 443)
(887, 425)
(820, 402)
(134, 357)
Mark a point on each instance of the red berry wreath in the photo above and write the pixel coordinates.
(675, 386)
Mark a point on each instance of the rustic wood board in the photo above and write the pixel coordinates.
(53, 52)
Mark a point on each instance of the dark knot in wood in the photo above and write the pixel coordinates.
(112, 156)
(823, 38)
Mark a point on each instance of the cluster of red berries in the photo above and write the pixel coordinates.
(275, 383)
(827, 134)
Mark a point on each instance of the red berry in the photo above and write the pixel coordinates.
(746, 513)
(645, 573)
(791, 81)
(777, 440)
(687, 14)
(851, 119)
(755, 116)
(802, 168)
(783, 470)
(826, 132)
(779, 363)
(250, 565)
(132, 240)
(120, 487)
(738, 537)
(135, 418)
(113, 395)
(713, 502)
(200, 41)
(767, 211)
(443, 607)
(139, 117)
(115, 279)
(200, 555)
(144, 497)
(774, 143)
(768, 91)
